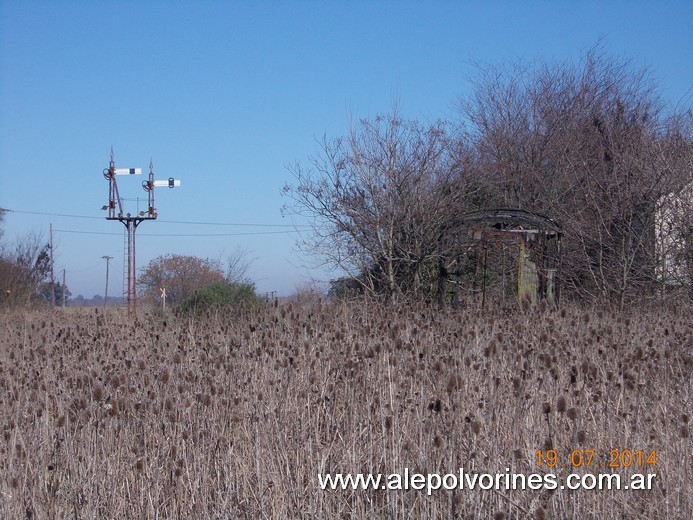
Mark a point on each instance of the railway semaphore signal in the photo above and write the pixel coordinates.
(116, 212)
(128, 171)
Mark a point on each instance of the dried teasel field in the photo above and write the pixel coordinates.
(233, 415)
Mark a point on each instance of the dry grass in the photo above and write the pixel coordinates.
(234, 416)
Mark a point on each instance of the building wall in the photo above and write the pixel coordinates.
(674, 237)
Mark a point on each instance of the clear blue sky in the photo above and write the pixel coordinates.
(225, 95)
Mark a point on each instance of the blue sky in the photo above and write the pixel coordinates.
(226, 95)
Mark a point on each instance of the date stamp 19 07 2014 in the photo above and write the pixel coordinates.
(585, 458)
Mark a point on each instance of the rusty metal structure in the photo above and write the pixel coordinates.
(131, 222)
(505, 254)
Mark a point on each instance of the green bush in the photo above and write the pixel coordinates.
(219, 294)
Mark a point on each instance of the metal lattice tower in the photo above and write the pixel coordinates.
(115, 212)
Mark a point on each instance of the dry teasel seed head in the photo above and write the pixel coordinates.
(435, 406)
(560, 404)
(453, 383)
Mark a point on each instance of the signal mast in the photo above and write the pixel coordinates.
(115, 212)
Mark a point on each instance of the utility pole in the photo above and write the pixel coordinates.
(64, 288)
(52, 270)
(105, 296)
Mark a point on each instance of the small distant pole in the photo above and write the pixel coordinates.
(52, 270)
(163, 297)
(64, 288)
(105, 296)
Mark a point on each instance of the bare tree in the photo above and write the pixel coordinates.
(2, 218)
(237, 266)
(24, 270)
(379, 200)
(589, 144)
(307, 293)
(180, 275)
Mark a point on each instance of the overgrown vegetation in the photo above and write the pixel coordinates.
(219, 295)
(195, 285)
(590, 143)
(234, 416)
(180, 275)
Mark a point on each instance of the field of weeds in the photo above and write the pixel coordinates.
(235, 415)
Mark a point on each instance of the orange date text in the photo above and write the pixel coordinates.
(585, 458)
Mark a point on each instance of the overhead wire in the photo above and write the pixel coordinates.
(284, 228)
(48, 214)
(186, 222)
(283, 232)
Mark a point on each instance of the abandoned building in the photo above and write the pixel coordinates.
(501, 256)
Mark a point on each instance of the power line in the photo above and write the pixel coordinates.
(233, 224)
(284, 232)
(49, 214)
(196, 223)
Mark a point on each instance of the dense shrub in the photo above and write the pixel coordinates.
(219, 294)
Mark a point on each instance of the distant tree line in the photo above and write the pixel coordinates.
(589, 144)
